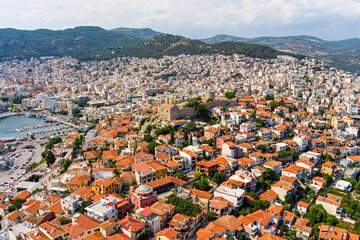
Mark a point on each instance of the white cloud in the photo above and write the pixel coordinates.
(192, 18)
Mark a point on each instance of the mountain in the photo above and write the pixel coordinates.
(167, 44)
(142, 33)
(222, 38)
(95, 43)
(344, 54)
(85, 43)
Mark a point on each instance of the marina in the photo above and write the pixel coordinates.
(19, 126)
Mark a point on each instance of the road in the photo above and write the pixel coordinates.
(24, 155)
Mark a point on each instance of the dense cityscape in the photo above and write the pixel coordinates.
(182, 147)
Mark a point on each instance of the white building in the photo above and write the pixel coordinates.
(352, 109)
(343, 185)
(71, 203)
(102, 210)
(235, 196)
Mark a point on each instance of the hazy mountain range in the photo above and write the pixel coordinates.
(344, 54)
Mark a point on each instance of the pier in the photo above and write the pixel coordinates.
(63, 122)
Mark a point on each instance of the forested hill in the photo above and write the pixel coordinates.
(344, 54)
(95, 43)
(142, 33)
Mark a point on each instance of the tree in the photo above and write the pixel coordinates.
(289, 199)
(76, 113)
(66, 164)
(273, 105)
(82, 208)
(183, 206)
(151, 146)
(148, 138)
(50, 158)
(202, 184)
(18, 203)
(180, 176)
(116, 173)
(218, 178)
(203, 112)
(212, 216)
(229, 95)
(197, 175)
(357, 227)
(64, 220)
(316, 214)
(193, 102)
(172, 138)
(262, 148)
(328, 158)
(36, 191)
(269, 97)
(210, 142)
(186, 137)
(331, 220)
(191, 126)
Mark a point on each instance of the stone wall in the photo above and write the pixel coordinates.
(176, 113)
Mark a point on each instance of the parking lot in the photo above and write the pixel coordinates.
(20, 158)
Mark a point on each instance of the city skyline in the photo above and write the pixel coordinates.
(328, 20)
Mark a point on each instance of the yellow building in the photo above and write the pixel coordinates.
(158, 170)
(337, 123)
(328, 168)
(109, 227)
(319, 181)
(103, 186)
(78, 182)
(167, 234)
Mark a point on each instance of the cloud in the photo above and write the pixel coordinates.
(325, 18)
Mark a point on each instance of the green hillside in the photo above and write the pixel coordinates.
(95, 43)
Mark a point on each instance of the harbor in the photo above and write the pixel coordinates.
(20, 126)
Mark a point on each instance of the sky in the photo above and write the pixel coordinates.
(327, 19)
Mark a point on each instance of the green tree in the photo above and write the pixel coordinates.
(76, 113)
(64, 220)
(331, 220)
(218, 178)
(202, 184)
(186, 137)
(172, 138)
(197, 175)
(203, 112)
(316, 214)
(17, 203)
(148, 138)
(36, 191)
(262, 148)
(183, 206)
(273, 105)
(288, 199)
(151, 146)
(82, 208)
(212, 216)
(180, 176)
(229, 95)
(50, 158)
(116, 173)
(269, 97)
(66, 164)
(191, 126)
